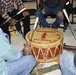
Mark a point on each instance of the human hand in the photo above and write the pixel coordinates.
(13, 21)
(43, 11)
(25, 13)
(27, 49)
(60, 14)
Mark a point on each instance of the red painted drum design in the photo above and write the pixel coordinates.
(47, 44)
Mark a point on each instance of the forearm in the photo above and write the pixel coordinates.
(62, 4)
(6, 16)
(4, 11)
(42, 4)
(12, 55)
(27, 49)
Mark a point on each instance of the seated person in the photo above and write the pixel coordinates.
(51, 7)
(68, 63)
(14, 62)
(8, 11)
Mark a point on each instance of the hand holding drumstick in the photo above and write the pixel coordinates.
(14, 21)
(27, 49)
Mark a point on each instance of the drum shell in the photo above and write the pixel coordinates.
(46, 52)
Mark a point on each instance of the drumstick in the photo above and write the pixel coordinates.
(35, 25)
(13, 16)
(21, 11)
(18, 21)
(69, 47)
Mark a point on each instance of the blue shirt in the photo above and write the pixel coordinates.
(7, 52)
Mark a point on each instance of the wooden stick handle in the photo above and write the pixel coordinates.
(69, 47)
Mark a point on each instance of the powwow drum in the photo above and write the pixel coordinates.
(47, 44)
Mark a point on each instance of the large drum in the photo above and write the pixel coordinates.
(47, 43)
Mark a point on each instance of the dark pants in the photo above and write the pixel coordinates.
(26, 23)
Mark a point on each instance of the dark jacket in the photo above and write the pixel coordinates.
(53, 3)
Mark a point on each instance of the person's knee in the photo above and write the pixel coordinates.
(37, 14)
(63, 58)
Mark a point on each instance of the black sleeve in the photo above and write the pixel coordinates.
(42, 4)
(62, 4)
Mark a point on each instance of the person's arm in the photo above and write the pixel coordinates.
(27, 49)
(42, 4)
(7, 52)
(62, 4)
(12, 54)
(61, 7)
(20, 4)
(4, 10)
(4, 14)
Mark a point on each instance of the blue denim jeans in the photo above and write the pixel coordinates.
(23, 66)
(67, 64)
(42, 19)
